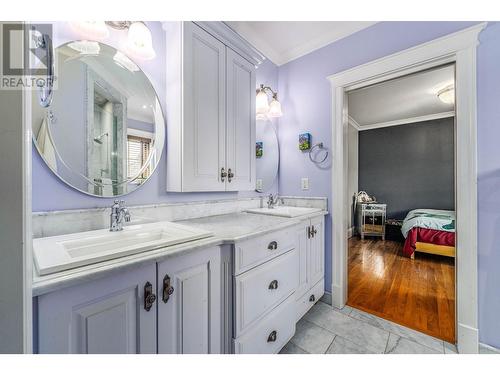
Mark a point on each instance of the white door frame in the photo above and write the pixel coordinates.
(460, 48)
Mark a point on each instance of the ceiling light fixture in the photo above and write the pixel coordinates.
(263, 108)
(447, 95)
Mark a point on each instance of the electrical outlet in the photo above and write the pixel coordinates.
(304, 183)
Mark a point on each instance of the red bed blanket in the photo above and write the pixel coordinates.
(433, 236)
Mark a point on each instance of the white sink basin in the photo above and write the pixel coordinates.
(284, 211)
(54, 254)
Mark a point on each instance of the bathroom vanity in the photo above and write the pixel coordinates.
(239, 291)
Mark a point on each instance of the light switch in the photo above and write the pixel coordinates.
(305, 183)
(258, 185)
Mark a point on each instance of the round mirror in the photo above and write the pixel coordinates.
(104, 130)
(267, 154)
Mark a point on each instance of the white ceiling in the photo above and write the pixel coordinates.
(403, 100)
(283, 41)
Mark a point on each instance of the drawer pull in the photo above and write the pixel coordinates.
(273, 284)
(272, 336)
(312, 298)
(273, 245)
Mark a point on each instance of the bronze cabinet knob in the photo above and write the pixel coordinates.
(272, 336)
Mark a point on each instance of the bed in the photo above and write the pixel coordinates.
(429, 231)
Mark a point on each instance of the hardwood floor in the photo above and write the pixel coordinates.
(419, 293)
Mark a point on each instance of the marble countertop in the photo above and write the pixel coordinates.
(241, 226)
(228, 228)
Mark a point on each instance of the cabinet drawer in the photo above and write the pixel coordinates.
(306, 301)
(271, 333)
(255, 251)
(262, 288)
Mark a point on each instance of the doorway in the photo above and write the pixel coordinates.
(458, 48)
(401, 191)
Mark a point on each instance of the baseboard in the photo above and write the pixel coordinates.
(488, 348)
(335, 295)
(326, 298)
(468, 339)
(351, 232)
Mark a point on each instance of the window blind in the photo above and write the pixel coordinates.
(137, 154)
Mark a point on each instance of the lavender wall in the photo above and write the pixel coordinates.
(488, 91)
(50, 193)
(305, 97)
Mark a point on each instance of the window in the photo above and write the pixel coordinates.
(137, 154)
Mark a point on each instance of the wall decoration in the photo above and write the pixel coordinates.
(259, 149)
(305, 141)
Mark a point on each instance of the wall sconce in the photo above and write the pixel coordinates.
(139, 39)
(264, 109)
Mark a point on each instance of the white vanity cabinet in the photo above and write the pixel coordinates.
(189, 303)
(102, 316)
(127, 312)
(210, 113)
(311, 248)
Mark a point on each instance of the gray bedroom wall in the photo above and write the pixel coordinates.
(409, 166)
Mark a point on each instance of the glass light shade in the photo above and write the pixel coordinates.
(447, 95)
(261, 105)
(140, 41)
(91, 29)
(275, 108)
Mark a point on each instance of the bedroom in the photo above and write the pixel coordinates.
(401, 196)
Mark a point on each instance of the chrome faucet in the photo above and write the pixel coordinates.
(119, 213)
(272, 200)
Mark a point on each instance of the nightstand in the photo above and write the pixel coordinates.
(371, 219)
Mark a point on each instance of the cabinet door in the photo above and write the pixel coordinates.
(189, 321)
(240, 141)
(105, 316)
(316, 260)
(302, 242)
(204, 111)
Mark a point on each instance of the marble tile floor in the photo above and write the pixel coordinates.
(350, 331)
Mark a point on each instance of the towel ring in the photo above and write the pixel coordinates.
(320, 147)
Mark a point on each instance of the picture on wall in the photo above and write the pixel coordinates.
(259, 149)
(305, 141)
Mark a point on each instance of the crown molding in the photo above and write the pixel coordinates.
(233, 40)
(221, 31)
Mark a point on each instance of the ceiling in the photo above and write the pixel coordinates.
(408, 99)
(283, 41)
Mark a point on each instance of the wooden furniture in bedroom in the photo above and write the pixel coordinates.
(430, 248)
(371, 219)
